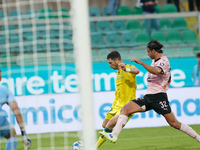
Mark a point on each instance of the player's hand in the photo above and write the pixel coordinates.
(136, 60)
(26, 141)
(150, 3)
(122, 66)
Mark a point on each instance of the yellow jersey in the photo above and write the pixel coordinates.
(125, 87)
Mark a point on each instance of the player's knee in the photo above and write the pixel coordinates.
(124, 111)
(105, 121)
(103, 125)
(13, 133)
(111, 125)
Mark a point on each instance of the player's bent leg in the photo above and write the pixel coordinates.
(171, 119)
(102, 138)
(11, 143)
(108, 129)
(108, 136)
(100, 141)
(110, 114)
(112, 122)
(9, 133)
(112, 137)
(189, 131)
(105, 121)
(129, 108)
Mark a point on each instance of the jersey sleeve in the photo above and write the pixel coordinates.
(11, 97)
(163, 65)
(129, 73)
(130, 66)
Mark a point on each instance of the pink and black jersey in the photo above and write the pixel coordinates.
(159, 83)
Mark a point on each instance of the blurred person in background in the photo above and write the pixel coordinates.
(196, 72)
(113, 6)
(191, 4)
(149, 8)
(176, 2)
(139, 4)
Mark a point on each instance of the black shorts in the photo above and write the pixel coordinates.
(158, 102)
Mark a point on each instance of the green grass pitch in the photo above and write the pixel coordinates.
(159, 138)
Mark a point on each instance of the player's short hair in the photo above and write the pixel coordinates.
(154, 44)
(198, 55)
(114, 55)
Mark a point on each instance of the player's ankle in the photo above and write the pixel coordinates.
(115, 134)
(107, 130)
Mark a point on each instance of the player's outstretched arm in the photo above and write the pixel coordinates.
(18, 115)
(134, 70)
(153, 70)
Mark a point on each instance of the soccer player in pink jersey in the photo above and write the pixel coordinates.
(159, 78)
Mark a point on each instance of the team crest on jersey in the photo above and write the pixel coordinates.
(162, 64)
(120, 77)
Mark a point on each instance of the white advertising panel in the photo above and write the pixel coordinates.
(62, 112)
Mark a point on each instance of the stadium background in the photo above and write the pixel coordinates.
(29, 80)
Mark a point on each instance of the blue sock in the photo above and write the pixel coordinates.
(107, 130)
(11, 143)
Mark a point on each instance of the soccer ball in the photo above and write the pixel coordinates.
(78, 145)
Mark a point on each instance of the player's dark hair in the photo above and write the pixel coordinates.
(114, 55)
(154, 44)
(198, 55)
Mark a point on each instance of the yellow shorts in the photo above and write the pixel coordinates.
(115, 111)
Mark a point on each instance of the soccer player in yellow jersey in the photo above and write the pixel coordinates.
(125, 90)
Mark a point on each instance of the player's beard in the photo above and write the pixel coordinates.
(152, 57)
